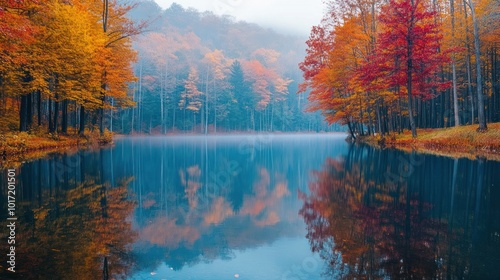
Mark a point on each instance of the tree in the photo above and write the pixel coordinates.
(191, 96)
(407, 55)
(318, 47)
(117, 54)
(481, 116)
(335, 89)
(453, 65)
(16, 33)
(216, 70)
(242, 94)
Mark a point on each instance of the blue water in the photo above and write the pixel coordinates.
(255, 207)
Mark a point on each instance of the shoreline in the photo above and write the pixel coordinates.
(454, 142)
(17, 148)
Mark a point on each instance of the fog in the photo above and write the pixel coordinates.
(287, 16)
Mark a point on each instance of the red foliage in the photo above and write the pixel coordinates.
(318, 48)
(13, 25)
(409, 46)
(15, 28)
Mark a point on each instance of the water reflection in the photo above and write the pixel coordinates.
(208, 199)
(212, 207)
(383, 214)
(79, 233)
(204, 208)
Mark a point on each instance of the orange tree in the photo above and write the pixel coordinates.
(407, 56)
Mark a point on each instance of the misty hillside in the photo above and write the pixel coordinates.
(235, 38)
(200, 72)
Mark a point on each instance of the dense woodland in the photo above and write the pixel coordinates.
(385, 66)
(204, 73)
(62, 62)
(131, 67)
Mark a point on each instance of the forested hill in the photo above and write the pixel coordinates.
(199, 72)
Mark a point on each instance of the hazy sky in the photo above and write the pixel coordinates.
(291, 16)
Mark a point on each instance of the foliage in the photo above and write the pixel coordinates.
(184, 42)
(63, 57)
(383, 66)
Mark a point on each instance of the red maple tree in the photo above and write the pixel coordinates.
(408, 53)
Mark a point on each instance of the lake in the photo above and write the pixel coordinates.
(254, 207)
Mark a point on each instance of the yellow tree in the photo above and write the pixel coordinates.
(70, 68)
(116, 53)
(191, 96)
(217, 68)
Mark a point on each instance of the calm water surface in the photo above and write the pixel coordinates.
(255, 207)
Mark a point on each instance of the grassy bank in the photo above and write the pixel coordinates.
(20, 147)
(454, 142)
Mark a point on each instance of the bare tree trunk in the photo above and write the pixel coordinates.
(82, 120)
(23, 113)
(29, 112)
(215, 108)
(453, 66)
(133, 110)
(105, 16)
(409, 84)
(39, 107)
(64, 121)
(206, 105)
(480, 97)
(111, 115)
(162, 93)
(56, 115)
(468, 66)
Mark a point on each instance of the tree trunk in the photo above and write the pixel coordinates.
(215, 109)
(132, 121)
(81, 130)
(51, 123)
(351, 131)
(23, 111)
(162, 110)
(64, 123)
(480, 97)
(111, 115)
(39, 107)
(205, 113)
(29, 111)
(453, 66)
(56, 116)
(379, 118)
(409, 75)
(101, 110)
(468, 65)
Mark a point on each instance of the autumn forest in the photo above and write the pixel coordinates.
(385, 66)
(131, 67)
(146, 139)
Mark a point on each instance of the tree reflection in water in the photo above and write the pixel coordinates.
(81, 233)
(366, 227)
